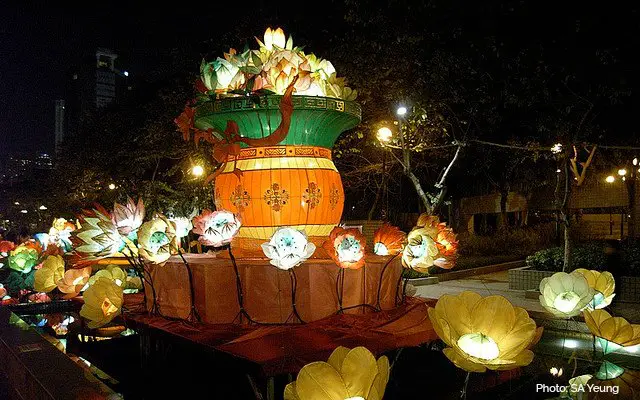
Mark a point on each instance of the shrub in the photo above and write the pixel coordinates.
(590, 255)
(520, 241)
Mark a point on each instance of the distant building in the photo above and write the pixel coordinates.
(601, 209)
(94, 82)
(105, 86)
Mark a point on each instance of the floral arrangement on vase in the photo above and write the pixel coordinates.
(270, 69)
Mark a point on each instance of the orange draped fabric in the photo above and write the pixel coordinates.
(286, 349)
(267, 290)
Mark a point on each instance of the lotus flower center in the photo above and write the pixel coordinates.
(380, 249)
(108, 308)
(286, 241)
(157, 240)
(420, 249)
(566, 302)
(479, 345)
(598, 299)
(349, 250)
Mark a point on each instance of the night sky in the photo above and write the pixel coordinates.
(39, 43)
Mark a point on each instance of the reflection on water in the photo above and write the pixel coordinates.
(567, 365)
(57, 328)
(578, 368)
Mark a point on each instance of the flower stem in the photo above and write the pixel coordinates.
(463, 395)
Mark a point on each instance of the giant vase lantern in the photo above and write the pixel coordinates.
(292, 182)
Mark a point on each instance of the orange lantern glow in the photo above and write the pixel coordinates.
(294, 186)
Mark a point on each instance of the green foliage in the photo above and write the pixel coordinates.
(590, 255)
(519, 242)
(135, 146)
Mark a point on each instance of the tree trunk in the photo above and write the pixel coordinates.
(503, 223)
(631, 194)
(567, 245)
(566, 218)
(375, 203)
(438, 200)
(423, 196)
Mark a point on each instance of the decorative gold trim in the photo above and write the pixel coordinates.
(282, 151)
(258, 164)
(265, 232)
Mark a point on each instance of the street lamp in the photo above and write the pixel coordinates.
(197, 170)
(622, 172)
(384, 135)
(112, 186)
(610, 179)
(42, 207)
(556, 148)
(401, 111)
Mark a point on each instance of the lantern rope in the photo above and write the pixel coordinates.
(193, 313)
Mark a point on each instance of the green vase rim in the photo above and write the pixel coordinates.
(225, 105)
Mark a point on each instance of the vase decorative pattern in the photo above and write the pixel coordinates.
(294, 183)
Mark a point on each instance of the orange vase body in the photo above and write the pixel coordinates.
(294, 186)
(293, 183)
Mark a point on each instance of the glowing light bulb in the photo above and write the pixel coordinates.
(197, 170)
(566, 302)
(112, 186)
(479, 345)
(384, 134)
(622, 172)
(402, 110)
(610, 179)
(380, 249)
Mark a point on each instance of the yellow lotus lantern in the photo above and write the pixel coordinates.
(484, 332)
(157, 240)
(46, 278)
(565, 295)
(102, 302)
(430, 243)
(111, 272)
(603, 284)
(347, 375)
(611, 332)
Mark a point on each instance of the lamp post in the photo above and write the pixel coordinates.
(631, 195)
(384, 136)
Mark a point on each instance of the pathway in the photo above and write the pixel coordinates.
(497, 283)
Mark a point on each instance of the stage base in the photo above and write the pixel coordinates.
(267, 290)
